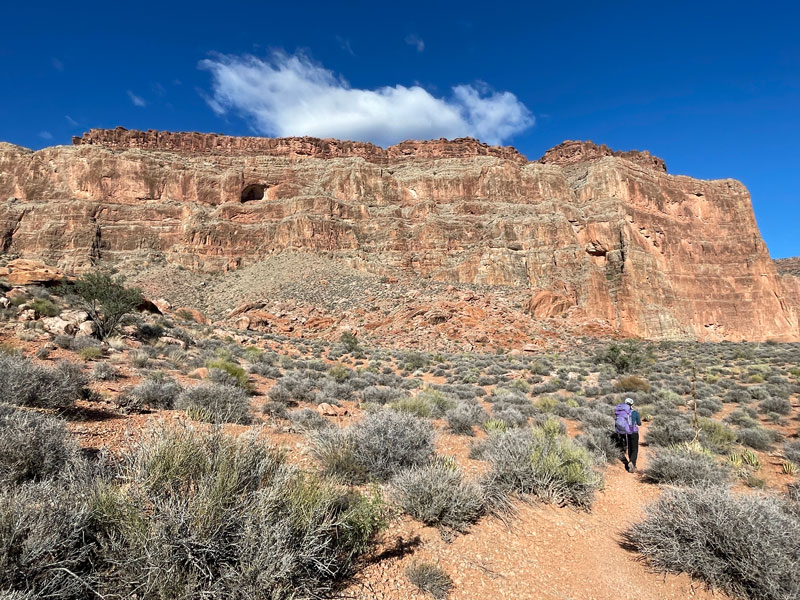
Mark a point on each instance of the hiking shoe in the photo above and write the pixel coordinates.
(628, 468)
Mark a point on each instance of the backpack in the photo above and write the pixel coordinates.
(622, 419)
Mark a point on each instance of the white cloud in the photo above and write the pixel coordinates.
(288, 95)
(412, 39)
(137, 100)
(45, 135)
(71, 121)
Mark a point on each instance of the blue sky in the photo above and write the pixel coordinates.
(713, 88)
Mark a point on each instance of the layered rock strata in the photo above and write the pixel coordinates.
(586, 233)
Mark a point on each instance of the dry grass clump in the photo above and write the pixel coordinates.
(430, 579)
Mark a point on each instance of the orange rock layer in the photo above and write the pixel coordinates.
(584, 234)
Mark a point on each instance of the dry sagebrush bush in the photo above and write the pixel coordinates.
(28, 384)
(382, 444)
(747, 545)
(33, 446)
(186, 515)
(438, 494)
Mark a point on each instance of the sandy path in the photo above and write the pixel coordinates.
(545, 553)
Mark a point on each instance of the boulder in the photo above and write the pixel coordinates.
(28, 272)
(59, 326)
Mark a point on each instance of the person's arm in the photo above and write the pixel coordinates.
(636, 418)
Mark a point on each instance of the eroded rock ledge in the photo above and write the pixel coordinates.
(292, 147)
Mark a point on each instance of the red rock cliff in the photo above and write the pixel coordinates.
(586, 233)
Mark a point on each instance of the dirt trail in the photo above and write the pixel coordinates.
(545, 553)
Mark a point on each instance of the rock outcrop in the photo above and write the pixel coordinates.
(585, 233)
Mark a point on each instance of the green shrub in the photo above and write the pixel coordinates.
(237, 373)
(438, 495)
(106, 300)
(538, 462)
(214, 403)
(745, 545)
(350, 343)
(430, 579)
(624, 357)
(716, 436)
(43, 307)
(90, 353)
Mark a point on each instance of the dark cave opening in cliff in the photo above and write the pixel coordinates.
(252, 192)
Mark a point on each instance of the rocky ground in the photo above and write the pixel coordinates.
(303, 295)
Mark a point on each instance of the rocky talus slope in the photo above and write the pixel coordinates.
(585, 233)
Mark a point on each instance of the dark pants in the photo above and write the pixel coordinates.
(629, 444)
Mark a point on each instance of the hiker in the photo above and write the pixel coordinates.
(626, 424)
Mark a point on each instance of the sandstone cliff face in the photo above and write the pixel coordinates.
(586, 233)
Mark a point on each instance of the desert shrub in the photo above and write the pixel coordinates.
(438, 494)
(686, 464)
(43, 307)
(632, 383)
(339, 373)
(159, 392)
(462, 418)
(148, 333)
(33, 446)
(215, 403)
(189, 515)
(375, 394)
(47, 540)
(793, 492)
(90, 353)
(279, 393)
(413, 405)
(139, 359)
(535, 461)
(775, 405)
(275, 409)
(106, 300)
(716, 436)
(27, 384)
(757, 438)
(792, 451)
(669, 430)
(381, 445)
(104, 371)
(601, 443)
(625, 357)
(743, 418)
(508, 414)
(351, 344)
(430, 579)
(306, 419)
(744, 544)
(237, 375)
